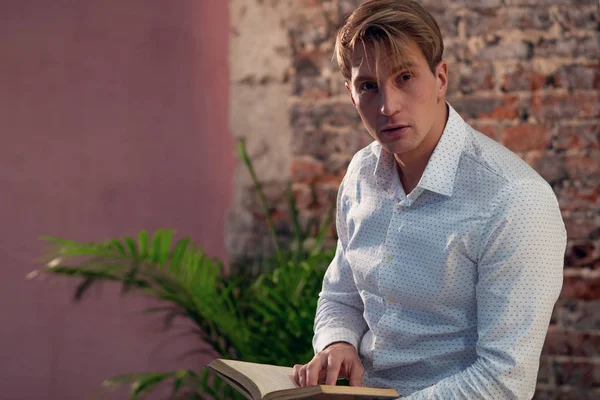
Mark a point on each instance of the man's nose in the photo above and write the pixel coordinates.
(389, 100)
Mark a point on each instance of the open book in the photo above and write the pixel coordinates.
(270, 382)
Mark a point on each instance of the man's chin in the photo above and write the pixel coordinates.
(395, 147)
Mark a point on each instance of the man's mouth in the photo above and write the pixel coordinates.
(394, 131)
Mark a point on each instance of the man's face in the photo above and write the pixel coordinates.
(398, 106)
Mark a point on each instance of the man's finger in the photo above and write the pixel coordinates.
(313, 369)
(356, 374)
(302, 376)
(297, 373)
(333, 370)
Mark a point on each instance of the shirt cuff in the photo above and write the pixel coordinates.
(331, 335)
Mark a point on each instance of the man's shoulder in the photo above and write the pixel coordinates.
(502, 180)
(496, 162)
(365, 159)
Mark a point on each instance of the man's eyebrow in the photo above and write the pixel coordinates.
(402, 67)
(362, 78)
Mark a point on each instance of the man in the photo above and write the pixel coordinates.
(450, 250)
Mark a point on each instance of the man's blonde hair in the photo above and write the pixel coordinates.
(391, 25)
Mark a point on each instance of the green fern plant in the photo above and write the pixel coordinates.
(267, 318)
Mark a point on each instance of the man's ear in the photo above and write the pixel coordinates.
(350, 90)
(441, 76)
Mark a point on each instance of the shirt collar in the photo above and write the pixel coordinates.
(441, 169)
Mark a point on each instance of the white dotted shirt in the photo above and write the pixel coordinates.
(446, 292)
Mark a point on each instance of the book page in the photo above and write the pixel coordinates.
(268, 378)
(327, 392)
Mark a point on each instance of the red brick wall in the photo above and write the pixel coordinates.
(524, 72)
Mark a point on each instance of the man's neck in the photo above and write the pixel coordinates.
(412, 165)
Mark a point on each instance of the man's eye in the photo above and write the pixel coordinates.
(367, 86)
(405, 77)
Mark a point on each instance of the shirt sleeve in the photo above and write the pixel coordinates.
(339, 316)
(520, 272)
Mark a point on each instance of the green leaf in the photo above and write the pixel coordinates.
(297, 234)
(165, 246)
(146, 385)
(183, 378)
(178, 256)
(156, 247)
(129, 242)
(116, 244)
(142, 245)
(141, 383)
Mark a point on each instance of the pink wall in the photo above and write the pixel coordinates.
(113, 119)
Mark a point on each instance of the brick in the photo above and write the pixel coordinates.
(582, 288)
(483, 23)
(476, 78)
(570, 137)
(307, 117)
(571, 343)
(544, 393)
(448, 22)
(578, 198)
(506, 50)
(308, 63)
(309, 31)
(303, 195)
(539, 3)
(580, 226)
(463, 3)
(581, 374)
(337, 163)
(522, 78)
(346, 7)
(523, 18)
(306, 169)
(569, 47)
(545, 370)
(326, 194)
(582, 17)
(486, 22)
(583, 165)
(505, 107)
(312, 87)
(583, 254)
(454, 75)
(525, 137)
(490, 129)
(550, 165)
(575, 76)
(319, 197)
(566, 393)
(314, 3)
(560, 106)
(577, 314)
(275, 193)
(456, 51)
(328, 147)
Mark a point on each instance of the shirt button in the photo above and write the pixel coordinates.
(391, 300)
(388, 257)
(399, 206)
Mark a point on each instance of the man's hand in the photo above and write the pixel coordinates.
(338, 360)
